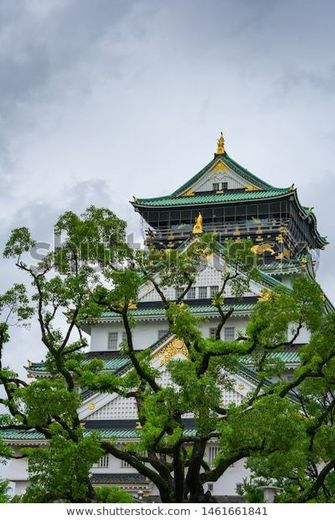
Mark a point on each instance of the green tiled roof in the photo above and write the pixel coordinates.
(251, 376)
(270, 281)
(37, 367)
(32, 435)
(200, 309)
(286, 357)
(115, 363)
(212, 198)
(280, 267)
(117, 478)
(112, 365)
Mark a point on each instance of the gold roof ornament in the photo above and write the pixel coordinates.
(259, 249)
(250, 187)
(170, 350)
(220, 166)
(197, 228)
(220, 146)
(187, 193)
(266, 295)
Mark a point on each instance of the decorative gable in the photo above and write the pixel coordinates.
(174, 348)
(117, 408)
(114, 407)
(219, 174)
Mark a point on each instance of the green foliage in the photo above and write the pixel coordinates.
(14, 308)
(4, 487)
(60, 471)
(113, 494)
(19, 242)
(283, 428)
(250, 491)
(97, 236)
(44, 399)
(183, 323)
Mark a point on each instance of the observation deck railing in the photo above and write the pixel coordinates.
(246, 228)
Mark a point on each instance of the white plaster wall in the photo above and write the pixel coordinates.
(17, 469)
(114, 466)
(20, 487)
(304, 335)
(146, 333)
(226, 485)
(238, 323)
(17, 474)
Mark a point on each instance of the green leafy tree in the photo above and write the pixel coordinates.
(60, 285)
(4, 487)
(283, 428)
(113, 494)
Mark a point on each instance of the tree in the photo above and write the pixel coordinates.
(61, 285)
(283, 428)
(4, 498)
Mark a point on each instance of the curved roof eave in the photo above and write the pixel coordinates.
(311, 218)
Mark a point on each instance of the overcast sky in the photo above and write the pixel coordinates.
(105, 99)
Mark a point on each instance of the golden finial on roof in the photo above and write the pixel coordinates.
(220, 147)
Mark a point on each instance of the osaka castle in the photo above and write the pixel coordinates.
(222, 198)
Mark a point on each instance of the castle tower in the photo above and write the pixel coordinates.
(227, 199)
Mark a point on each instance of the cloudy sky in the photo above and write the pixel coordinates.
(105, 99)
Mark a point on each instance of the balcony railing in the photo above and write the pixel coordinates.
(246, 228)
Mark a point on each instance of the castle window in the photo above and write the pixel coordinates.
(202, 293)
(103, 462)
(213, 452)
(213, 290)
(216, 186)
(125, 464)
(112, 340)
(162, 333)
(229, 333)
(124, 338)
(191, 293)
(224, 186)
(179, 292)
(212, 333)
